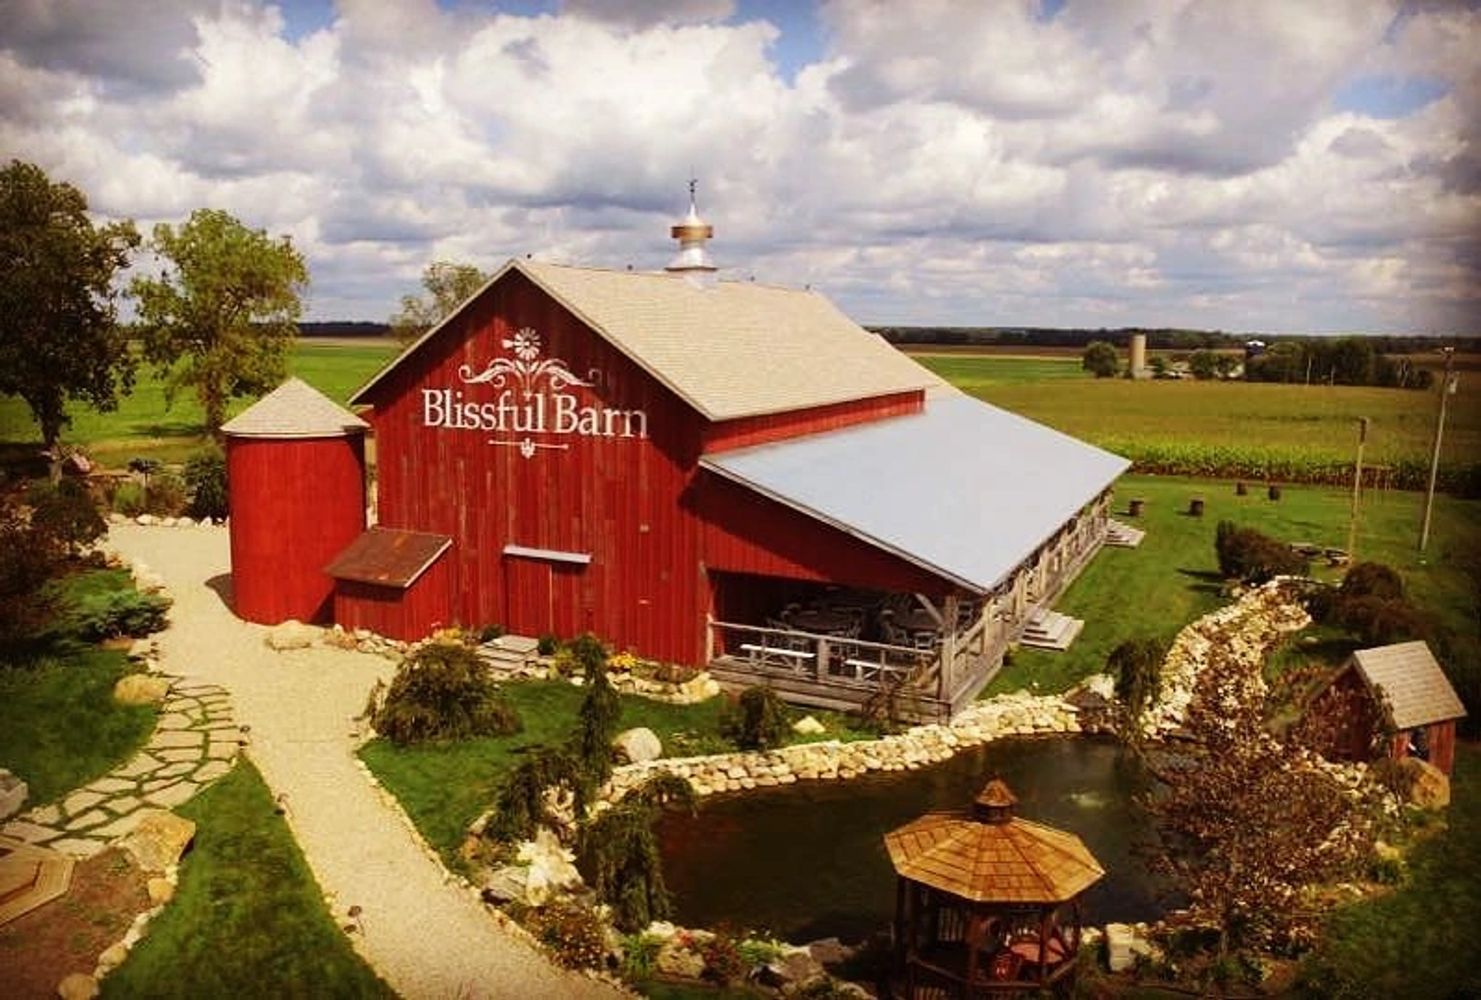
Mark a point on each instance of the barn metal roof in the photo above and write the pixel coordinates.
(389, 557)
(729, 349)
(985, 859)
(294, 409)
(1415, 686)
(963, 489)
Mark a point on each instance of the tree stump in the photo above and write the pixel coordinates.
(1195, 507)
(1240, 489)
(1273, 492)
(1134, 507)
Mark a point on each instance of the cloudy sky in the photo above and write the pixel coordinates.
(1282, 166)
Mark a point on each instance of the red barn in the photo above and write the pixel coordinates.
(716, 473)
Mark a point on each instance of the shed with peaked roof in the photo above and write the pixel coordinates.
(295, 467)
(986, 902)
(1399, 687)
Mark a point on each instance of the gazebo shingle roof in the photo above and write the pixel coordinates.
(1010, 860)
(1409, 675)
(294, 409)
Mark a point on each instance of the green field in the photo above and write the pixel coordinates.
(142, 424)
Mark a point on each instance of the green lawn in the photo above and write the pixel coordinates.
(972, 373)
(142, 425)
(445, 786)
(1419, 941)
(248, 919)
(1171, 578)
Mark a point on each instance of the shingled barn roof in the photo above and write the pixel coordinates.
(991, 856)
(294, 409)
(1412, 681)
(733, 349)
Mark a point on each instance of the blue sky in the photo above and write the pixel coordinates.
(1262, 165)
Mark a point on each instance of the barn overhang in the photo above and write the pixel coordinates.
(963, 489)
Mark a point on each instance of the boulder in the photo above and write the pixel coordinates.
(808, 726)
(161, 891)
(78, 986)
(676, 958)
(1119, 954)
(1431, 789)
(13, 792)
(797, 966)
(505, 884)
(158, 839)
(141, 689)
(830, 951)
(637, 745)
(291, 634)
(551, 867)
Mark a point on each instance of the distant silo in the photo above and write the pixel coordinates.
(295, 465)
(1139, 355)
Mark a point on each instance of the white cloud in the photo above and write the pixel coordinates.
(1139, 162)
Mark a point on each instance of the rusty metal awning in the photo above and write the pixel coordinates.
(389, 557)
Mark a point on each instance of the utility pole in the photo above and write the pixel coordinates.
(1357, 491)
(1447, 389)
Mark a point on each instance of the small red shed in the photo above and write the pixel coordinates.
(295, 467)
(1401, 684)
(394, 583)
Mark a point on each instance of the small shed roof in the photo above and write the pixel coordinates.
(294, 409)
(1410, 677)
(962, 489)
(389, 557)
(729, 349)
(991, 856)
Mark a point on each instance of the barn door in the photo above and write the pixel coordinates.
(529, 596)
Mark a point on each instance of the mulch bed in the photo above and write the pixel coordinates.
(66, 935)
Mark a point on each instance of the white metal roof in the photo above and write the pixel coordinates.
(729, 349)
(964, 489)
(1411, 679)
(294, 409)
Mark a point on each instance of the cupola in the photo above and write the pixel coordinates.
(693, 260)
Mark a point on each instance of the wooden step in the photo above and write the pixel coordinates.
(1058, 641)
(1123, 535)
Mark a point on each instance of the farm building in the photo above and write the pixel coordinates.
(1400, 687)
(715, 473)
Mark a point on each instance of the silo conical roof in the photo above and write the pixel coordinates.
(294, 409)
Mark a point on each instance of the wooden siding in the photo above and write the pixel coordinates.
(730, 434)
(748, 533)
(295, 505)
(409, 613)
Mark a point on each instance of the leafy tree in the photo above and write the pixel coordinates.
(221, 318)
(1203, 364)
(1100, 359)
(58, 335)
(448, 286)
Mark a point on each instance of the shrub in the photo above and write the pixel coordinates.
(618, 851)
(572, 931)
(722, 957)
(756, 720)
(1371, 579)
(596, 724)
(443, 691)
(489, 633)
(205, 480)
(640, 956)
(1379, 621)
(28, 559)
(67, 513)
(520, 805)
(165, 494)
(115, 613)
(1137, 666)
(129, 500)
(547, 644)
(1100, 359)
(1252, 557)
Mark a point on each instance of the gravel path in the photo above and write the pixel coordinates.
(426, 937)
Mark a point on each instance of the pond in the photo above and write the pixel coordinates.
(807, 861)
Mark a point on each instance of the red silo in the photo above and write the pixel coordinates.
(295, 465)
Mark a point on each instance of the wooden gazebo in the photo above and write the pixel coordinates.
(986, 903)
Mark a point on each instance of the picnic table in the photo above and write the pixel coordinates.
(824, 622)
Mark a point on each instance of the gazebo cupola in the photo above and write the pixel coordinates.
(693, 260)
(985, 902)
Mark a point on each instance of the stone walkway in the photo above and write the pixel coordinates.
(194, 743)
(425, 933)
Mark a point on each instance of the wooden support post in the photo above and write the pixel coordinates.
(820, 669)
(1357, 491)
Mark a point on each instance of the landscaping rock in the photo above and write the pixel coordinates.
(141, 689)
(676, 958)
(551, 867)
(1431, 789)
(506, 884)
(78, 986)
(635, 746)
(1119, 956)
(795, 967)
(808, 726)
(13, 792)
(161, 891)
(830, 951)
(158, 839)
(292, 634)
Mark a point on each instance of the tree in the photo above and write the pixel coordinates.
(618, 852)
(448, 286)
(1203, 364)
(221, 319)
(1100, 359)
(59, 338)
